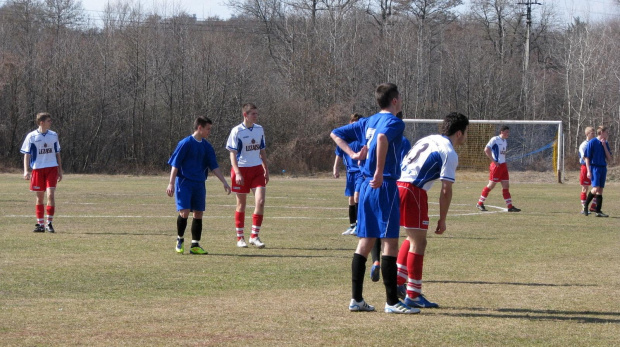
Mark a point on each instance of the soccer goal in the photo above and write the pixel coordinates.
(532, 145)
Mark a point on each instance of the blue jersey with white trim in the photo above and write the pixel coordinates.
(247, 142)
(366, 130)
(498, 148)
(431, 158)
(350, 164)
(42, 148)
(596, 153)
(193, 158)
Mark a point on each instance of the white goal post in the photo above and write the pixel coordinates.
(538, 133)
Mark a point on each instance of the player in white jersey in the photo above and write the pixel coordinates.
(41, 151)
(431, 158)
(498, 170)
(584, 181)
(248, 159)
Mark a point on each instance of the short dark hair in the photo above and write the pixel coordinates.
(42, 116)
(355, 117)
(601, 129)
(504, 128)
(454, 122)
(247, 107)
(385, 93)
(201, 121)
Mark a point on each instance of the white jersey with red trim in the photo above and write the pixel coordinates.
(42, 148)
(247, 142)
(431, 158)
(582, 151)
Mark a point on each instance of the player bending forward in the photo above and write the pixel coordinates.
(248, 159)
(431, 158)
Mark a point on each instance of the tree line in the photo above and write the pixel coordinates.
(124, 90)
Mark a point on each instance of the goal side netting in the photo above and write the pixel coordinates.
(532, 145)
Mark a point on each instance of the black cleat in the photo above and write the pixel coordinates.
(601, 214)
(49, 228)
(38, 228)
(481, 207)
(514, 209)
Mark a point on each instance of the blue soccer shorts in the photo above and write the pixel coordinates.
(378, 213)
(190, 195)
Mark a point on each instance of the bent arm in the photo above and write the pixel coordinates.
(382, 147)
(487, 151)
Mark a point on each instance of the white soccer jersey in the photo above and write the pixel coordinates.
(431, 158)
(247, 142)
(498, 148)
(42, 148)
(582, 151)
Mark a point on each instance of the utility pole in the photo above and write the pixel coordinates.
(528, 25)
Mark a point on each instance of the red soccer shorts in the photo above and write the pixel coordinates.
(42, 179)
(253, 177)
(413, 206)
(498, 172)
(583, 176)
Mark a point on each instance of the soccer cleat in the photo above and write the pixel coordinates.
(197, 250)
(420, 302)
(38, 228)
(481, 207)
(256, 242)
(180, 248)
(348, 231)
(354, 231)
(358, 306)
(401, 291)
(399, 307)
(601, 214)
(241, 243)
(514, 209)
(375, 272)
(50, 228)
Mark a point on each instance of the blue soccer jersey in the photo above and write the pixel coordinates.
(596, 153)
(366, 130)
(193, 158)
(350, 164)
(404, 148)
(431, 158)
(498, 148)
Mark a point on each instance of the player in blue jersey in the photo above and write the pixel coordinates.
(584, 181)
(498, 170)
(378, 213)
(190, 161)
(353, 177)
(41, 151)
(596, 156)
(431, 158)
(375, 270)
(248, 172)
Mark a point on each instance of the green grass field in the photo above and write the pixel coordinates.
(546, 276)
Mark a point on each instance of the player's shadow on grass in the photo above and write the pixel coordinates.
(537, 315)
(516, 283)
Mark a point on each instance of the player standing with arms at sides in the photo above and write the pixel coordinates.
(248, 158)
(41, 151)
(596, 156)
(378, 212)
(190, 161)
(583, 174)
(498, 170)
(354, 178)
(431, 158)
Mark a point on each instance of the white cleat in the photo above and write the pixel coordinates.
(256, 242)
(241, 244)
(356, 306)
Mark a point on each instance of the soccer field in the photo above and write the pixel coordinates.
(110, 275)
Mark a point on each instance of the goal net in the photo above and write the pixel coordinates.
(532, 145)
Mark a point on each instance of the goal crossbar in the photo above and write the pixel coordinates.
(560, 139)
